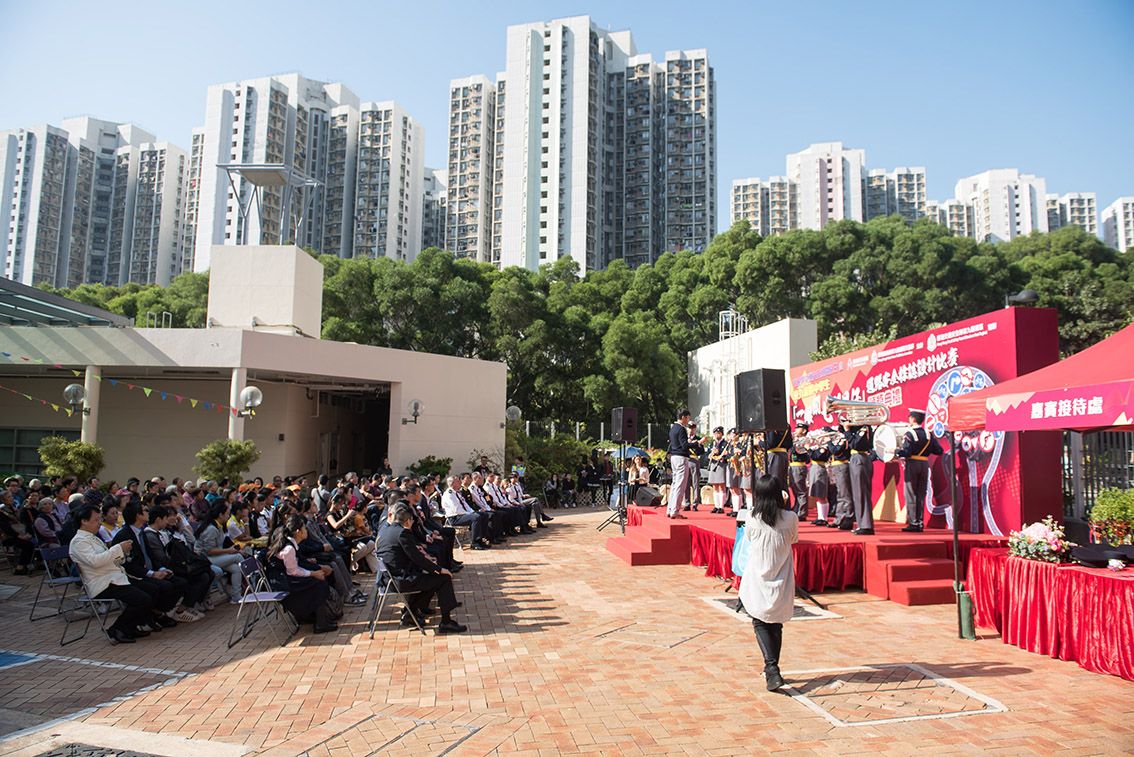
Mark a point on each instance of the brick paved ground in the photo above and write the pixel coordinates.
(572, 652)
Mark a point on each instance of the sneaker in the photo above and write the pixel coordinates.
(355, 601)
(208, 605)
(183, 617)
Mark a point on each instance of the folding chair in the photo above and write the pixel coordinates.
(385, 585)
(99, 609)
(263, 603)
(55, 560)
(457, 531)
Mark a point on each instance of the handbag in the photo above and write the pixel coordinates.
(184, 562)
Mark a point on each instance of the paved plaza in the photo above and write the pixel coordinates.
(569, 651)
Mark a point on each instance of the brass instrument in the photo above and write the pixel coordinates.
(815, 441)
(739, 454)
(761, 460)
(856, 412)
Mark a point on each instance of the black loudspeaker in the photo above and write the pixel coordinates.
(761, 403)
(624, 424)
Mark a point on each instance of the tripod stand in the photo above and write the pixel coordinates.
(619, 513)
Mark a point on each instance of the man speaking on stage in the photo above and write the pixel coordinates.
(680, 463)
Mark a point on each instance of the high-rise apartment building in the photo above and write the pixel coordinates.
(783, 205)
(434, 208)
(276, 119)
(898, 192)
(472, 145)
(953, 215)
(829, 180)
(1118, 224)
(749, 202)
(596, 152)
(90, 202)
(1005, 203)
(388, 191)
(1073, 209)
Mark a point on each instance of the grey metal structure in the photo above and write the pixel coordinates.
(263, 176)
(22, 305)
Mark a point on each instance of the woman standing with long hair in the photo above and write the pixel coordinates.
(767, 589)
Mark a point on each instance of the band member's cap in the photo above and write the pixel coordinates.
(918, 414)
(734, 430)
(718, 430)
(803, 424)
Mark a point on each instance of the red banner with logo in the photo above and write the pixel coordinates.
(1004, 479)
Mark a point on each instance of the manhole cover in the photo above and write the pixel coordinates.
(385, 735)
(803, 610)
(885, 693)
(85, 750)
(651, 636)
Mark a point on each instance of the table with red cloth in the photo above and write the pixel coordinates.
(817, 566)
(1060, 610)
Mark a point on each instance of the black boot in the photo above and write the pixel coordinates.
(770, 638)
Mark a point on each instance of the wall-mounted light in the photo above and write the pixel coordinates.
(513, 414)
(415, 409)
(74, 394)
(250, 397)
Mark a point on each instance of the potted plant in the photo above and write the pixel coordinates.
(1112, 517)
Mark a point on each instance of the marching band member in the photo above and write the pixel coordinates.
(734, 473)
(798, 459)
(817, 481)
(917, 447)
(839, 449)
(861, 439)
(718, 464)
(777, 442)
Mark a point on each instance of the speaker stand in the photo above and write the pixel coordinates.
(619, 513)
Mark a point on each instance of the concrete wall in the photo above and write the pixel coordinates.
(712, 368)
(280, 286)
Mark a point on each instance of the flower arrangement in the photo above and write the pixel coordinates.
(1040, 541)
(1116, 565)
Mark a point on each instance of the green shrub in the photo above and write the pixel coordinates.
(226, 458)
(1112, 517)
(431, 464)
(63, 457)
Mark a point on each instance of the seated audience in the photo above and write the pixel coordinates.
(101, 569)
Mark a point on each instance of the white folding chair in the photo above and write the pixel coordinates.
(263, 603)
(57, 576)
(385, 586)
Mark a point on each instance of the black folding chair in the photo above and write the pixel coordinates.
(98, 609)
(385, 586)
(57, 576)
(264, 603)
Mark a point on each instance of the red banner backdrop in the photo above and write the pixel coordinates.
(1004, 479)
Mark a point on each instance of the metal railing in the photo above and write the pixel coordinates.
(1094, 462)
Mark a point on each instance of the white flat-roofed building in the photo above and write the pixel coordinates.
(1005, 203)
(783, 205)
(749, 202)
(1118, 224)
(1073, 209)
(829, 180)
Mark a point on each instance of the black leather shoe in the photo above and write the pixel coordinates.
(118, 636)
(528, 530)
(407, 622)
(451, 626)
(912, 529)
(479, 547)
(863, 532)
(456, 568)
(459, 604)
(548, 517)
(165, 621)
(138, 633)
(331, 626)
(818, 522)
(540, 525)
(457, 563)
(685, 509)
(732, 514)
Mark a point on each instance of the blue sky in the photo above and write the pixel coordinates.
(958, 87)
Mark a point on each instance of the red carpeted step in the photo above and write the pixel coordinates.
(878, 553)
(630, 549)
(937, 591)
(917, 570)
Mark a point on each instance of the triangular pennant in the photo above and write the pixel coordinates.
(208, 406)
(6, 354)
(77, 373)
(163, 394)
(179, 398)
(44, 402)
(113, 382)
(28, 396)
(56, 365)
(98, 378)
(147, 390)
(26, 359)
(38, 360)
(55, 407)
(130, 385)
(193, 403)
(70, 412)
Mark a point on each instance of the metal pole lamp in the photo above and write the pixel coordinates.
(1026, 297)
(74, 394)
(250, 397)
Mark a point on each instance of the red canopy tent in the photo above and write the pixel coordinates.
(1092, 390)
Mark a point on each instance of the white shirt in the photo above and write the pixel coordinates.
(478, 497)
(767, 588)
(452, 504)
(100, 566)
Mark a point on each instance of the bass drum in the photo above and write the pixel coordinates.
(647, 496)
(887, 439)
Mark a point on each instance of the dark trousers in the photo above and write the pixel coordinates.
(798, 476)
(496, 523)
(163, 592)
(25, 548)
(448, 539)
(475, 522)
(778, 467)
(137, 605)
(429, 584)
(862, 481)
(844, 502)
(917, 481)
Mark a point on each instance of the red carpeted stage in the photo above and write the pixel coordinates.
(909, 568)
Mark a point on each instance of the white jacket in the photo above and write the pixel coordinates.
(101, 566)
